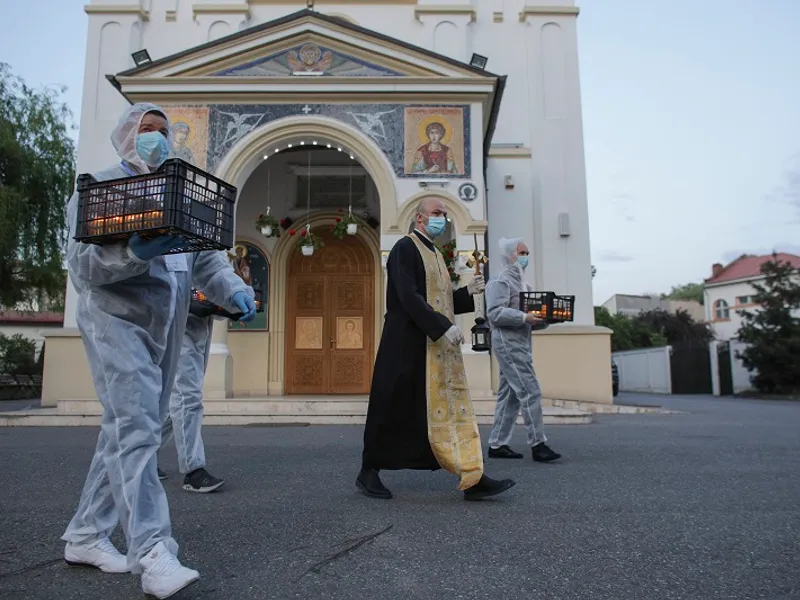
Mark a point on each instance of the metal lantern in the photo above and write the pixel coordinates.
(481, 333)
(481, 336)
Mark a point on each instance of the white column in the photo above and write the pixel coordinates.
(558, 177)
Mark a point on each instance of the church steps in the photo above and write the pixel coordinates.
(312, 410)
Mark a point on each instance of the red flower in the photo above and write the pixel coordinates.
(451, 255)
(292, 232)
(338, 220)
(304, 233)
(261, 216)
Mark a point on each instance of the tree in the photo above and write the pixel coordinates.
(628, 334)
(652, 328)
(687, 291)
(772, 334)
(37, 176)
(17, 355)
(678, 328)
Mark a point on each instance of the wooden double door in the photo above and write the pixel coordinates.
(330, 322)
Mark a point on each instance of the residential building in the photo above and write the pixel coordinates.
(730, 289)
(632, 305)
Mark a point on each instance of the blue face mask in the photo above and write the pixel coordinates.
(522, 261)
(435, 226)
(152, 148)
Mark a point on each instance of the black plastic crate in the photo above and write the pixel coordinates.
(179, 199)
(202, 307)
(548, 306)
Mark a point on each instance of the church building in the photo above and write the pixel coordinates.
(318, 110)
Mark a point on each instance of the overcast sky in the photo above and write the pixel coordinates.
(691, 117)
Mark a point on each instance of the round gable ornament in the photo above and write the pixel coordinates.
(467, 192)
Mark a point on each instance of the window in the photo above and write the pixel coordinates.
(740, 300)
(721, 310)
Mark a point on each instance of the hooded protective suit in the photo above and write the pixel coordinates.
(186, 401)
(511, 344)
(131, 314)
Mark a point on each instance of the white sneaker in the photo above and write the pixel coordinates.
(163, 574)
(101, 554)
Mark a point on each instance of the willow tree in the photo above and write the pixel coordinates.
(37, 176)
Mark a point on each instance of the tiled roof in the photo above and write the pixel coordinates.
(24, 317)
(749, 266)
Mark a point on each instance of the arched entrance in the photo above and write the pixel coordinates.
(330, 317)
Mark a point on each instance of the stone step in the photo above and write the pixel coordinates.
(350, 405)
(43, 417)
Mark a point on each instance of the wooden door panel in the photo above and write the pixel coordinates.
(307, 336)
(351, 319)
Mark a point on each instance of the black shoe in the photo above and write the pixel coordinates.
(487, 487)
(543, 453)
(371, 485)
(201, 481)
(161, 474)
(503, 452)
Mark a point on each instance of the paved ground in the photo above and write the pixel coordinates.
(704, 505)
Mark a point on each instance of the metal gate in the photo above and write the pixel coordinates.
(724, 369)
(690, 367)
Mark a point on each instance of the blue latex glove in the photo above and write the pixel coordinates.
(149, 249)
(246, 304)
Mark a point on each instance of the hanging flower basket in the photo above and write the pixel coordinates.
(308, 241)
(344, 226)
(268, 225)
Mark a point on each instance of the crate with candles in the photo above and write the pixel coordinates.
(548, 306)
(201, 306)
(179, 199)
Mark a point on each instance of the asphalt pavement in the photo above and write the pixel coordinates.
(702, 504)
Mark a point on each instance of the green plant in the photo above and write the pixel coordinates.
(267, 220)
(17, 355)
(448, 251)
(307, 238)
(339, 227)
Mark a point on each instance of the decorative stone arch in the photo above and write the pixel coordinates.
(279, 268)
(462, 220)
(243, 158)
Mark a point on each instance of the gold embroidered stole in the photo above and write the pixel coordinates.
(452, 427)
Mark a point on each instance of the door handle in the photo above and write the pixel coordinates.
(333, 341)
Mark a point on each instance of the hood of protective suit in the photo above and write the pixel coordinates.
(123, 138)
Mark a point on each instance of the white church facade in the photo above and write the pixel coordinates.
(367, 107)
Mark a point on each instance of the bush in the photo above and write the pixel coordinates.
(18, 355)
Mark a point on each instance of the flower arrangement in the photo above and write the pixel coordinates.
(308, 242)
(448, 251)
(343, 226)
(268, 225)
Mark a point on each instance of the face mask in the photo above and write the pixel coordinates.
(435, 226)
(152, 148)
(522, 261)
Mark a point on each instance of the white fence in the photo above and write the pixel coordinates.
(646, 370)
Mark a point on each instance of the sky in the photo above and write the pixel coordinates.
(691, 116)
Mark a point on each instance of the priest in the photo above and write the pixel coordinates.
(420, 414)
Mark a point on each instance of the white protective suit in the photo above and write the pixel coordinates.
(131, 314)
(511, 345)
(185, 418)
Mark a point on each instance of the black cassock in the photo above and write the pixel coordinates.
(396, 433)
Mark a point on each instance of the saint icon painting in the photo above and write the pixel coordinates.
(434, 141)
